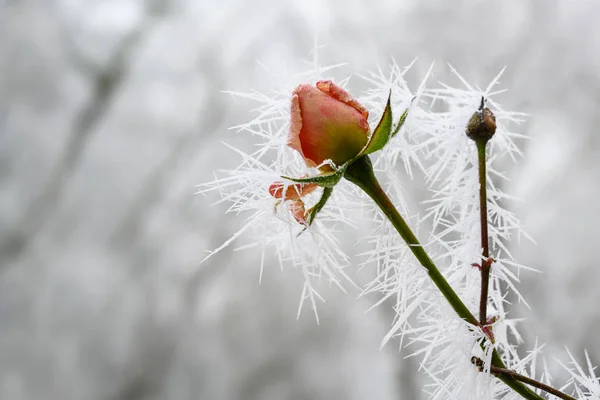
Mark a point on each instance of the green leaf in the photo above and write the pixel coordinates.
(326, 180)
(312, 213)
(381, 135)
(403, 117)
(400, 122)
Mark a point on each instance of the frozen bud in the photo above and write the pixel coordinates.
(327, 123)
(482, 125)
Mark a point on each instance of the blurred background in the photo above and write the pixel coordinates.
(111, 113)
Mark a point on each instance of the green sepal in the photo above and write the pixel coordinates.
(382, 133)
(326, 180)
(312, 213)
(400, 122)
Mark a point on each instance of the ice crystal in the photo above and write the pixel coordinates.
(432, 140)
(270, 226)
(453, 178)
(435, 141)
(583, 381)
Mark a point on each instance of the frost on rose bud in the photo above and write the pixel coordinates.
(329, 129)
(482, 124)
(293, 193)
(298, 211)
(327, 123)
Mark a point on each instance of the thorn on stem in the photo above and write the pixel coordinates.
(487, 330)
(488, 263)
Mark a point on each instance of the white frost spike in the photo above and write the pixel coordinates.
(404, 147)
(437, 143)
(270, 226)
(586, 384)
(454, 181)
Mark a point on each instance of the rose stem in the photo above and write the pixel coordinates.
(522, 378)
(483, 214)
(361, 174)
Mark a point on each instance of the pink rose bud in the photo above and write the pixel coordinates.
(327, 123)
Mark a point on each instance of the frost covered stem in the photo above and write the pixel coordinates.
(522, 378)
(361, 174)
(483, 214)
(497, 371)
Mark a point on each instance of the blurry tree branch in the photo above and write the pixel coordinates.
(106, 84)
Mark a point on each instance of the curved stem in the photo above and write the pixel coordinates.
(496, 371)
(522, 378)
(361, 174)
(483, 214)
(511, 382)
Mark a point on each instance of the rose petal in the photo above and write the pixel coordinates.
(342, 95)
(298, 211)
(292, 191)
(295, 125)
(331, 129)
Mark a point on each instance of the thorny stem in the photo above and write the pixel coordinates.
(483, 214)
(522, 378)
(361, 174)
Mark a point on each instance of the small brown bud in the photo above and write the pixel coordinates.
(482, 125)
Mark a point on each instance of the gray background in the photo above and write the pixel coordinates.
(111, 112)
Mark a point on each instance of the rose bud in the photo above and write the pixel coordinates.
(327, 123)
(482, 124)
